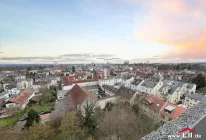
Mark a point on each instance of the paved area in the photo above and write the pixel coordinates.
(19, 125)
(200, 128)
(62, 107)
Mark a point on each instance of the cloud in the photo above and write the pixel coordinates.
(177, 23)
(85, 57)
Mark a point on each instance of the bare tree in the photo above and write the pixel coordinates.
(122, 123)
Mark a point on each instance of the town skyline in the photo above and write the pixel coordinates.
(34, 32)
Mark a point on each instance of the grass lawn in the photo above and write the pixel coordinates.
(9, 121)
(41, 107)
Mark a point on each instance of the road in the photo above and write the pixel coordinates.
(200, 128)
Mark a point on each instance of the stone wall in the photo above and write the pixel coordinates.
(188, 119)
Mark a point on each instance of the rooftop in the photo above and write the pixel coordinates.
(196, 96)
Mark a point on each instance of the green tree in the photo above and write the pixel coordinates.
(33, 116)
(73, 69)
(90, 117)
(109, 106)
(28, 69)
(200, 81)
(70, 127)
(40, 67)
(9, 78)
(46, 95)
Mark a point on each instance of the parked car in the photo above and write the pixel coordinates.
(45, 112)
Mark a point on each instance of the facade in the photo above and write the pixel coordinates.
(173, 91)
(193, 99)
(21, 77)
(135, 84)
(148, 86)
(112, 81)
(41, 84)
(21, 100)
(24, 83)
(157, 107)
(10, 93)
(171, 111)
(52, 80)
(106, 73)
(61, 94)
(80, 83)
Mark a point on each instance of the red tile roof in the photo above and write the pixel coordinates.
(155, 103)
(20, 98)
(175, 113)
(79, 74)
(69, 80)
(48, 68)
(36, 98)
(78, 94)
(45, 117)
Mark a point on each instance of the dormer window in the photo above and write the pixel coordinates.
(169, 109)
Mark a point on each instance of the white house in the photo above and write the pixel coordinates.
(112, 81)
(21, 100)
(21, 77)
(135, 84)
(25, 83)
(10, 93)
(52, 80)
(193, 99)
(85, 83)
(127, 83)
(173, 90)
(147, 86)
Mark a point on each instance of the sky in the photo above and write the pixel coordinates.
(85, 31)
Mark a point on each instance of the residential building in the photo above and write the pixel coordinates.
(147, 86)
(150, 104)
(21, 100)
(173, 91)
(111, 81)
(52, 80)
(70, 84)
(79, 97)
(127, 83)
(193, 99)
(171, 111)
(25, 83)
(20, 77)
(135, 84)
(61, 94)
(157, 107)
(106, 73)
(40, 84)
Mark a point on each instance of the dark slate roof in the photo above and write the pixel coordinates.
(10, 86)
(136, 82)
(149, 83)
(196, 96)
